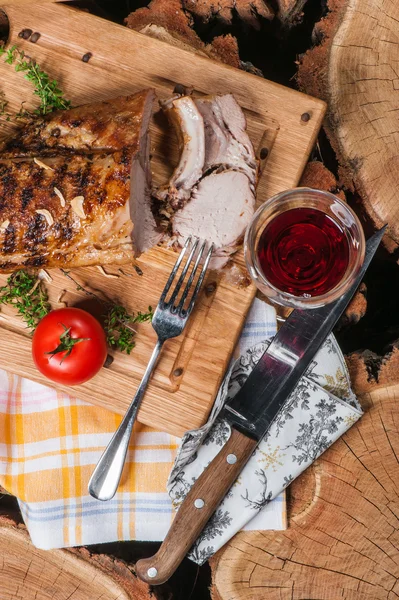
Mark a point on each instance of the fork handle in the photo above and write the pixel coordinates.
(106, 476)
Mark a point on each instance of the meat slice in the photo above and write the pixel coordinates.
(146, 234)
(106, 126)
(185, 117)
(220, 208)
(226, 141)
(85, 208)
(215, 200)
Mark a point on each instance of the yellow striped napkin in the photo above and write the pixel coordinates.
(50, 443)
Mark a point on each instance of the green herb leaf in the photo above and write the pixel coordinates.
(118, 323)
(51, 96)
(118, 327)
(27, 293)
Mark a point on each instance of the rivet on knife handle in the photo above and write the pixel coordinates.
(199, 505)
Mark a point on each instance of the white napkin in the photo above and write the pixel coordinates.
(320, 409)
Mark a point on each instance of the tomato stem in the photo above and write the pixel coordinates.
(66, 344)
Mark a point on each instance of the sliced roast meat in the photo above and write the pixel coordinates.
(106, 126)
(86, 207)
(49, 219)
(212, 191)
(220, 208)
(145, 234)
(226, 141)
(184, 115)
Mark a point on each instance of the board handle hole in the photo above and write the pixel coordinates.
(4, 27)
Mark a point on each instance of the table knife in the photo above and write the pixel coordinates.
(250, 414)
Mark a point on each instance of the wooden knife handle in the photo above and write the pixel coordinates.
(197, 508)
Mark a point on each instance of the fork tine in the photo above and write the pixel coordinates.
(174, 271)
(200, 279)
(191, 278)
(183, 273)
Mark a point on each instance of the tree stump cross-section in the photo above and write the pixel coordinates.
(27, 573)
(355, 69)
(343, 536)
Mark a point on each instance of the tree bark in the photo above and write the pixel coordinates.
(369, 370)
(354, 69)
(343, 535)
(317, 176)
(176, 15)
(27, 573)
(290, 12)
(251, 12)
(166, 20)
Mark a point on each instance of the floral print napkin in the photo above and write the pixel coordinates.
(320, 409)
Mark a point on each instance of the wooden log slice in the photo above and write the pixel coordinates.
(27, 573)
(343, 536)
(355, 69)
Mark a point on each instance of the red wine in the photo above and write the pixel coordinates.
(304, 252)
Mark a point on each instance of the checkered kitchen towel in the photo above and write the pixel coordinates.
(50, 443)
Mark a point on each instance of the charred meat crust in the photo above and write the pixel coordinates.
(66, 199)
(106, 126)
(104, 176)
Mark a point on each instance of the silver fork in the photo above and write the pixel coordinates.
(169, 320)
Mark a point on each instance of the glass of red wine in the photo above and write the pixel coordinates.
(304, 247)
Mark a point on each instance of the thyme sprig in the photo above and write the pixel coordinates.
(80, 288)
(50, 95)
(28, 295)
(118, 327)
(118, 323)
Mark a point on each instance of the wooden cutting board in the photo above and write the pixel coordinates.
(191, 367)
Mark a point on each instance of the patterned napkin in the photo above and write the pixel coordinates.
(50, 443)
(320, 409)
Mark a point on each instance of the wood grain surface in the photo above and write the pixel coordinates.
(191, 367)
(355, 69)
(343, 535)
(27, 573)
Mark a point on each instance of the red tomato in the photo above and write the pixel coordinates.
(69, 346)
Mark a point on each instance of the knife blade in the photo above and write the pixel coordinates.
(250, 414)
